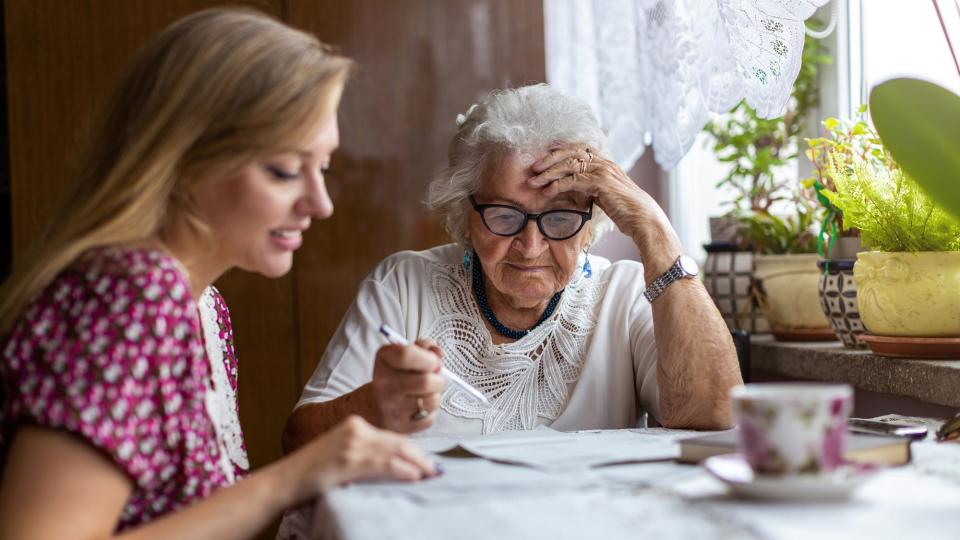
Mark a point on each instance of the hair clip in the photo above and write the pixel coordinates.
(462, 118)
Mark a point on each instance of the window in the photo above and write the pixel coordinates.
(905, 39)
(873, 41)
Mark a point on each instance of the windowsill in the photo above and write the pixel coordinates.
(930, 381)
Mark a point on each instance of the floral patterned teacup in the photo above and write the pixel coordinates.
(792, 428)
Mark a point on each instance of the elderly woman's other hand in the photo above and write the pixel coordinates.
(577, 168)
(406, 385)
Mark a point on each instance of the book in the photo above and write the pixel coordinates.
(873, 449)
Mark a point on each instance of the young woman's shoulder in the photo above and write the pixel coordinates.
(140, 267)
(109, 290)
(111, 352)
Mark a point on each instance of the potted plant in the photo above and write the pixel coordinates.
(775, 216)
(908, 285)
(845, 143)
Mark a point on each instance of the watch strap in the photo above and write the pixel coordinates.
(656, 287)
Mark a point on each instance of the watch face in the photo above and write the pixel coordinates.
(689, 266)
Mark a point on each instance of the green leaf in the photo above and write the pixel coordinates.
(920, 123)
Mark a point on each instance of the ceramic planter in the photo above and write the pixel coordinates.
(728, 277)
(909, 294)
(787, 289)
(838, 300)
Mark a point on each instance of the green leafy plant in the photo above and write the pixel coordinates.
(891, 211)
(845, 143)
(755, 148)
(772, 234)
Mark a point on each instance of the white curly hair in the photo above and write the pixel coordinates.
(523, 122)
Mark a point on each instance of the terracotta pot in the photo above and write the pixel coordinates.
(909, 294)
(728, 277)
(787, 290)
(838, 300)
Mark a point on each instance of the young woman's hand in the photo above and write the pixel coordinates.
(355, 450)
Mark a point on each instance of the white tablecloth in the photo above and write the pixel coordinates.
(657, 500)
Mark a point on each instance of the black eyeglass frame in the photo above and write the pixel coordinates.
(584, 218)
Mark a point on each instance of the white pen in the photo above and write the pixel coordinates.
(397, 339)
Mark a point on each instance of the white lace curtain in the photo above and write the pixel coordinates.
(654, 70)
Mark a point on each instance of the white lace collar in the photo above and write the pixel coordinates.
(220, 398)
(524, 380)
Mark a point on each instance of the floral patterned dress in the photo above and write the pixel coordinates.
(116, 352)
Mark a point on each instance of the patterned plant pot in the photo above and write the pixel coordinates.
(728, 277)
(838, 299)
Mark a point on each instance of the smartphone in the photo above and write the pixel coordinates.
(875, 427)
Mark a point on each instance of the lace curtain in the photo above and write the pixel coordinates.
(654, 70)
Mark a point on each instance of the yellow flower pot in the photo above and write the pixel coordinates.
(909, 294)
(789, 293)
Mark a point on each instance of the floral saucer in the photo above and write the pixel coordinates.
(734, 471)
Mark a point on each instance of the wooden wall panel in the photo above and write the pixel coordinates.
(419, 64)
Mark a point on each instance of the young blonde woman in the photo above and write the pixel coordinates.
(117, 406)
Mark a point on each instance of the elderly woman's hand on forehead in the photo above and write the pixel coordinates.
(578, 168)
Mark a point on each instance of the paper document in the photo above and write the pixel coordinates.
(546, 448)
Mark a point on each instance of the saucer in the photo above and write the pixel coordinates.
(734, 471)
(913, 347)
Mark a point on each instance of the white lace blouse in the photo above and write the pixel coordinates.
(591, 365)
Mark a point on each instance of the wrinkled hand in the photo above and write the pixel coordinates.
(407, 384)
(355, 450)
(576, 168)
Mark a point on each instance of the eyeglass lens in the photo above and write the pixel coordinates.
(555, 224)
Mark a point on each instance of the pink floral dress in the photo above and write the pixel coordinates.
(113, 351)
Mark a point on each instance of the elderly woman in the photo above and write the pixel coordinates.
(518, 308)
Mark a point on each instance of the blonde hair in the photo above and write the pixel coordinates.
(523, 122)
(210, 93)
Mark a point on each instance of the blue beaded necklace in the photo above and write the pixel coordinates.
(480, 292)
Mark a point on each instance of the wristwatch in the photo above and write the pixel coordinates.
(683, 268)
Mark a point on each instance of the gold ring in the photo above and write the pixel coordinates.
(421, 412)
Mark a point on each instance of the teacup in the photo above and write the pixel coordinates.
(792, 428)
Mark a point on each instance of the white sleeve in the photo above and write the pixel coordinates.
(348, 360)
(644, 348)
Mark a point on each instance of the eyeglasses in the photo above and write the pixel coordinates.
(503, 220)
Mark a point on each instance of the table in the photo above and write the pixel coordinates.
(658, 500)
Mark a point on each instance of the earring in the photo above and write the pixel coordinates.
(587, 270)
(467, 256)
